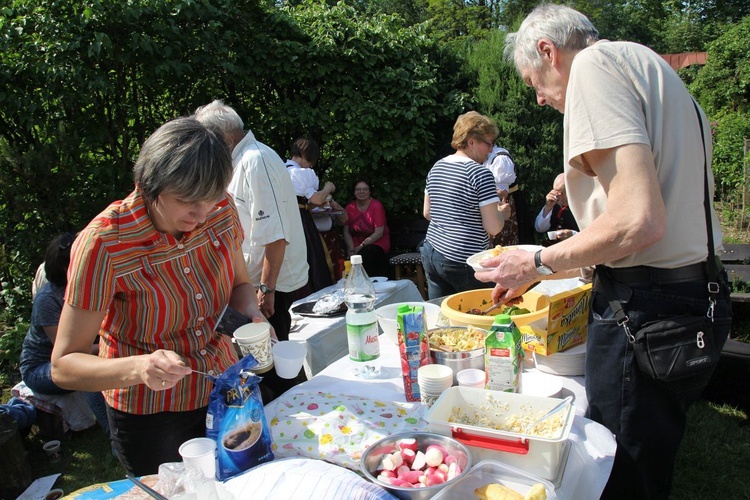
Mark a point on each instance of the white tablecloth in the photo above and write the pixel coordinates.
(592, 445)
(326, 337)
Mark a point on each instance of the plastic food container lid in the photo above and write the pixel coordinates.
(491, 471)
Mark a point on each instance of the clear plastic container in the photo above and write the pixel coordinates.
(491, 471)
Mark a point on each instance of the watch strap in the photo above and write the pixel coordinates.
(538, 259)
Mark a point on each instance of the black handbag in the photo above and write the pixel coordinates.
(680, 351)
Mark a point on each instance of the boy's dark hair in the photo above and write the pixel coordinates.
(306, 148)
(57, 259)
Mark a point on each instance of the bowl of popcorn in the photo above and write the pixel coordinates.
(465, 308)
(459, 347)
(415, 465)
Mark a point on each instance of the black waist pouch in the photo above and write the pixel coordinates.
(680, 351)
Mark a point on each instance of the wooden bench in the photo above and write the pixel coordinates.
(736, 253)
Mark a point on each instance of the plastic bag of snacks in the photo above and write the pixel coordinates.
(236, 421)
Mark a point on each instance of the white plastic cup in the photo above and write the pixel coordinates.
(288, 357)
(54, 494)
(255, 339)
(199, 454)
(471, 377)
(53, 450)
(433, 379)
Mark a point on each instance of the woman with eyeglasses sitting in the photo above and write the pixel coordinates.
(366, 232)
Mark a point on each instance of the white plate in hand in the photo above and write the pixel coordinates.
(475, 259)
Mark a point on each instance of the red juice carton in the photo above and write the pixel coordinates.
(413, 345)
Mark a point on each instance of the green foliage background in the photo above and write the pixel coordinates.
(378, 83)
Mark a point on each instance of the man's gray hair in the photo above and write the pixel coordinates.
(185, 158)
(566, 28)
(220, 117)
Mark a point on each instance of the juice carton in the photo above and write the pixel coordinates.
(503, 355)
(413, 344)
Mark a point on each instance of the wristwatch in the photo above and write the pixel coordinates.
(541, 268)
(265, 290)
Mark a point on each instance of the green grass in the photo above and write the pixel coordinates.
(86, 460)
(714, 455)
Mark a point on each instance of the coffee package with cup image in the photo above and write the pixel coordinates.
(236, 421)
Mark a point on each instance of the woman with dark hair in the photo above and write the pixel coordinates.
(152, 275)
(45, 316)
(366, 232)
(305, 154)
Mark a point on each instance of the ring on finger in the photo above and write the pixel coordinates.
(163, 383)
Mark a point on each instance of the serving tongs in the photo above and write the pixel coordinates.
(564, 404)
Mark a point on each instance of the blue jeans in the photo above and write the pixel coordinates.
(39, 380)
(647, 419)
(446, 277)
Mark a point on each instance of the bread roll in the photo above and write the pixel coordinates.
(495, 491)
(536, 492)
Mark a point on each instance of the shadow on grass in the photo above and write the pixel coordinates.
(86, 459)
(714, 454)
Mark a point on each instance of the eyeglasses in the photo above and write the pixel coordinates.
(361, 189)
(488, 143)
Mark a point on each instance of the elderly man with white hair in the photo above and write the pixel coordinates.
(634, 171)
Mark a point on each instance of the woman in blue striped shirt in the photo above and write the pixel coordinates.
(462, 206)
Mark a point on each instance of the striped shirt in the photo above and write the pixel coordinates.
(458, 186)
(158, 293)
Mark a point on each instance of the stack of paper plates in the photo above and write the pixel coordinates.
(568, 363)
(541, 384)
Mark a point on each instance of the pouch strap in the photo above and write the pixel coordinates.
(712, 272)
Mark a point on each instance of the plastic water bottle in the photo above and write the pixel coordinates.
(361, 322)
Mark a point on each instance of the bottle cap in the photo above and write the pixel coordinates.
(356, 259)
(503, 319)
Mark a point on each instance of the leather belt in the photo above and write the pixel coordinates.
(646, 275)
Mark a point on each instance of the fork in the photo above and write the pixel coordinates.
(492, 308)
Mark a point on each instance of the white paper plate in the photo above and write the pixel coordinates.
(568, 363)
(475, 259)
(540, 384)
(378, 279)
